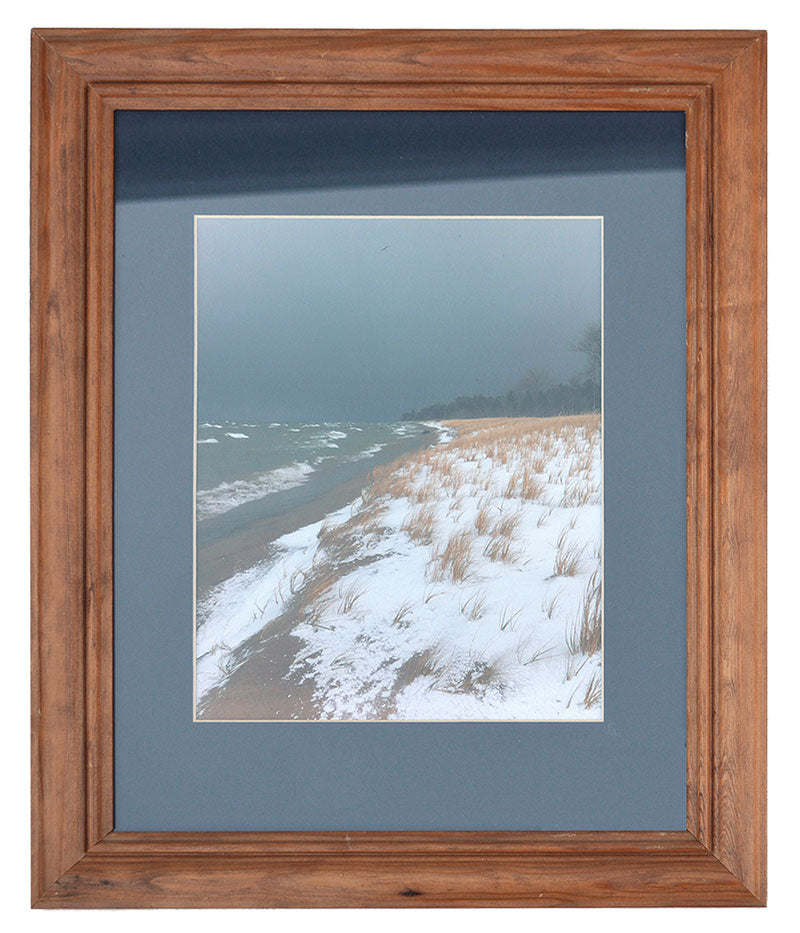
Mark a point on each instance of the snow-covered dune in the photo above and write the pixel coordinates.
(465, 583)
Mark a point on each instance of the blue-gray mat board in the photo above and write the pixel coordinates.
(627, 773)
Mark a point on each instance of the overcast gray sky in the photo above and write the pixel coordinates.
(306, 319)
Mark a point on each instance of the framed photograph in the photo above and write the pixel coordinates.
(368, 557)
(398, 468)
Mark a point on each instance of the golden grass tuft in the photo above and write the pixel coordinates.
(531, 487)
(483, 518)
(543, 518)
(594, 690)
(455, 560)
(507, 526)
(585, 635)
(501, 550)
(568, 556)
(421, 524)
(576, 493)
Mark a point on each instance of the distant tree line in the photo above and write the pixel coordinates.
(535, 395)
(568, 398)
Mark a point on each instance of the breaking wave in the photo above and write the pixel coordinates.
(228, 496)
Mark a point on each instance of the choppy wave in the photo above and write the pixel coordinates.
(227, 496)
(246, 463)
(367, 452)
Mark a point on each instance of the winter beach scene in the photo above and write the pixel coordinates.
(398, 494)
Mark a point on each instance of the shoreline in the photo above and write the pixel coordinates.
(265, 678)
(224, 556)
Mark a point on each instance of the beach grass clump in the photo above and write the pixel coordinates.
(349, 596)
(507, 526)
(543, 518)
(549, 604)
(501, 550)
(483, 517)
(402, 617)
(531, 488)
(453, 672)
(567, 561)
(539, 461)
(511, 489)
(429, 662)
(528, 656)
(455, 560)
(576, 494)
(508, 617)
(425, 492)
(476, 674)
(585, 635)
(594, 690)
(474, 607)
(420, 525)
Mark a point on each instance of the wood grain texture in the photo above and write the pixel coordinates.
(353, 56)
(699, 478)
(236, 95)
(739, 468)
(99, 469)
(448, 873)
(58, 468)
(79, 78)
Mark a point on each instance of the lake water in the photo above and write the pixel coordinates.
(257, 481)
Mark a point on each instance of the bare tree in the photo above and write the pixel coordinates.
(590, 343)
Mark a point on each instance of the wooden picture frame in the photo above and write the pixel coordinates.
(79, 78)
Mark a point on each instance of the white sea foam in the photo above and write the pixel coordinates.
(367, 452)
(208, 440)
(234, 434)
(228, 496)
(445, 433)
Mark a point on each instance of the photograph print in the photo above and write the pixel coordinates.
(398, 468)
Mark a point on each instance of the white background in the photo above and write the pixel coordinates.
(773, 15)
